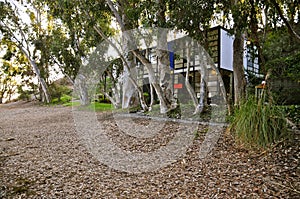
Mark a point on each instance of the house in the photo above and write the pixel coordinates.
(220, 49)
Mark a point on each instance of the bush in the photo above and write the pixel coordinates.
(258, 124)
(26, 95)
(292, 112)
(62, 100)
(60, 93)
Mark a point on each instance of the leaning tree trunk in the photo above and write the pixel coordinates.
(144, 61)
(238, 70)
(165, 80)
(38, 74)
(114, 101)
(121, 21)
(153, 81)
(129, 97)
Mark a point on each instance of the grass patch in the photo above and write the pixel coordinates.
(62, 100)
(258, 124)
(72, 103)
(94, 106)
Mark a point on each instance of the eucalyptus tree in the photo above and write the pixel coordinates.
(148, 13)
(281, 31)
(84, 25)
(18, 25)
(165, 78)
(74, 36)
(240, 14)
(13, 69)
(288, 11)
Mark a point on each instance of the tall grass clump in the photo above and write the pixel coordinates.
(258, 124)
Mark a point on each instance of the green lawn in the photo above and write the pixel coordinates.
(94, 106)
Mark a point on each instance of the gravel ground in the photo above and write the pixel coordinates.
(41, 156)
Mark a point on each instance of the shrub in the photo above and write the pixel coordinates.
(258, 124)
(60, 93)
(292, 112)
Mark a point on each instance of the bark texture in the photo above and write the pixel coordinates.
(238, 70)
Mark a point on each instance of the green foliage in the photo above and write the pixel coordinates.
(282, 55)
(24, 94)
(94, 106)
(286, 66)
(73, 34)
(13, 70)
(60, 94)
(293, 113)
(258, 124)
(101, 106)
(30, 37)
(196, 14)
(284, 91)
(62, 100)
(147, 97)
(279, 44)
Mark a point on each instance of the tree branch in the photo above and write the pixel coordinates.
(287, 23)
(116, 14)
(100, 32)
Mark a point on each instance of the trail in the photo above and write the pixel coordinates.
(41, 156)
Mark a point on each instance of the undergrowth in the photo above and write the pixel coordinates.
(258, 124)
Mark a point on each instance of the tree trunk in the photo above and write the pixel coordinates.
(162, 95)
(113, 100)
(187, 83)
(238, 69)
(151, 97)
(153, 81)
(203, 85)
(82, 88)
(2, 92)
(165, 77)
(122, 25)
(292, 32)
(45, 90)
(130, 96)
(38, 74)
(203, 96)
(163, 61)
(230, 97)
(266, 91)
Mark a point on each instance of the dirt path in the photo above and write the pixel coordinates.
(41, 156)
